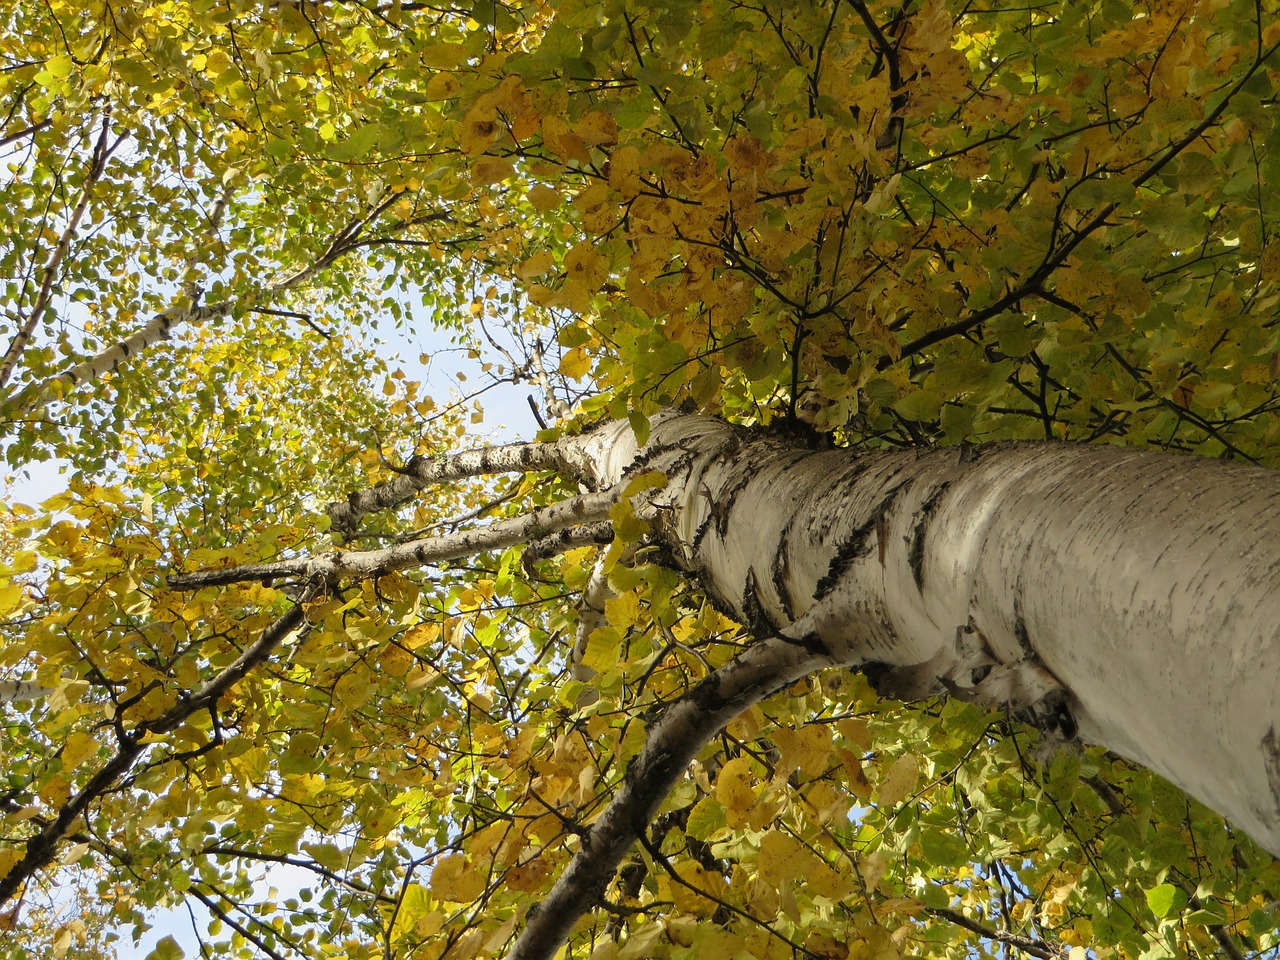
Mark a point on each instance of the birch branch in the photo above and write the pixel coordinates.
(339, 565)
(158, 328)
(19, 691)
(587, 535)
(421, 472)
(101, 153)
(673, 742)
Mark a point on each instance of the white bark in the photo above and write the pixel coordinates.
(354, 565)
(1129, 595)
(19, 691)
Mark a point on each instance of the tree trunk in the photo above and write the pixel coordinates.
(1128, 597)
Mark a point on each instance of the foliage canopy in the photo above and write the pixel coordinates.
(903, 223)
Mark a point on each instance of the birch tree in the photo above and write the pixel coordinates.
(780, 639)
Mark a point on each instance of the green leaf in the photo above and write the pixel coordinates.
(1166, 900)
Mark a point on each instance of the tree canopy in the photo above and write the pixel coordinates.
(877, 225)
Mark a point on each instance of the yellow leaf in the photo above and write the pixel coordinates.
(444, 56)
(808, 749)
(587, 266)
(536, 265)
(456, 880)
(10, 597)
(543, 198)
(623, 611)
(564, 142)
(443, 86)
(733, 785)
(575, 363)
(900, 780)
(782, 858)
(353, 690)
(597, 129)
(624, 171)
(80, 746)
(415, 914)
(603, 647)
(493, 170)
(479, 129)
(698, 878)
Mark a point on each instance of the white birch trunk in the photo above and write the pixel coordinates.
(1127, 595)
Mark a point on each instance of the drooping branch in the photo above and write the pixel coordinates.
(672, 743)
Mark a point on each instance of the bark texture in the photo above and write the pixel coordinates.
(1129, 597)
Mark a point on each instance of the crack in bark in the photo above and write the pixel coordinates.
(1271, 758)
(756, 618)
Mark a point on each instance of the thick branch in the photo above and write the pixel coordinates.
(157, 329)
(586, 535)
(16, 691)
(673, 742)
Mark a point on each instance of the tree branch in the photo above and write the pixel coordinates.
(157, 329)
(673, 741)
(421, 472)
(41, 848)
(1037, 948)
(101, 153)
(339, 565)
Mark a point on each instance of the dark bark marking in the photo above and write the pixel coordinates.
(913, 682)
(647, 455)
(781, 568)
(757, 620)
(1020, 628)
(919, 531)
(810, 642)
(970, 452)
(858, 544)
(1271, 759)
(721, 508)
